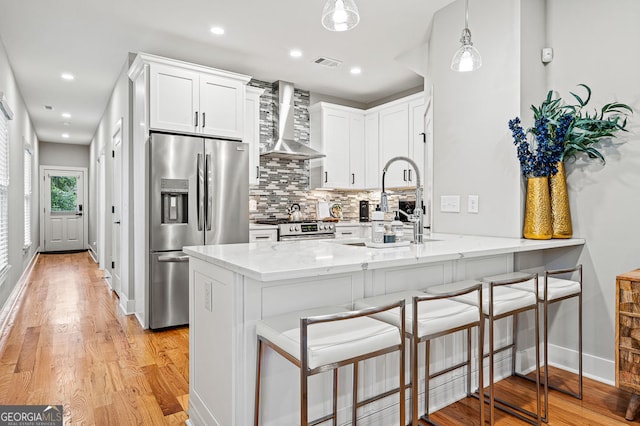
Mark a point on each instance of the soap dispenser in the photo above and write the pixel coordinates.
(377, 225)
(397, 227)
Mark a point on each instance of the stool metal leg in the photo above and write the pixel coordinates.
(355, 394)
(580, 339)
(427, 373)
(413, 355)
(256, 413)
(335, 397)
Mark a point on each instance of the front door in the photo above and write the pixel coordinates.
(64, 212)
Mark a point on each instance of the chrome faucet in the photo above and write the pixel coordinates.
(417, 216)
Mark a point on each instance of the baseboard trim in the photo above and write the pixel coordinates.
(8, 312)
(593, 367)
(93, 255)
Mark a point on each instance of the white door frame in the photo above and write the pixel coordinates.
(85, 205)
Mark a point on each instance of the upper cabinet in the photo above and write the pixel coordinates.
(252, 131)
(401, 127)
(358, 143)
(337, 132)
(188, 98)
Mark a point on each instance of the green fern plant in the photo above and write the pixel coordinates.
(587, 128)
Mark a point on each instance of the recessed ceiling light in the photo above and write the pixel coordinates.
(65, 135)
(295, 53)
(217, 30)
(66, 115)
(356, 70)
(66, 123)
(67, 76)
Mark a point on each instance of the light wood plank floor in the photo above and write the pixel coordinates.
(67, 343)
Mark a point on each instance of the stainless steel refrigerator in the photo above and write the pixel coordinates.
(199, 191)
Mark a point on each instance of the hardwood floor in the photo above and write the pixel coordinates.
(67, 343)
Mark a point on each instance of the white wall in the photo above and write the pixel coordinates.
(119, 106)
(473, 152)
(20, 130)
(64, 154)
(596, 43)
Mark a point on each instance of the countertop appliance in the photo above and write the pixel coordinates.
(364, 211)
(197, 186)
(305, 230)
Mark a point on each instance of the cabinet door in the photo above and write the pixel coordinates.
(222, 103)
(335, 134)
(416, 138)
(252, 132)
(356, 151)
(173, 98)
(372, 151)
(394, 141)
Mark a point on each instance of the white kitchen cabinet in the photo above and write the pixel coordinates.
(371, 156)
(338, 132)
(188, 98)
(349, 231)
(401, 128)
(263, 235)
(252, 131)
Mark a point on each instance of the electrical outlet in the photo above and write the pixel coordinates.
(472, 204)
(450, 203)
(208, 299)
(253, 204)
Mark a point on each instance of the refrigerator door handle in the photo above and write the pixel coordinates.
(208, 172)
(200, 192)
(184, 258)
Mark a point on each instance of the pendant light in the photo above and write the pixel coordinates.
(467, 58)
(340, 15)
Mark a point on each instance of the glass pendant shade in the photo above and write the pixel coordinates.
(467, 58)
(340, 15)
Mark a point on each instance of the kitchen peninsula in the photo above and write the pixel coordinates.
(233, 286)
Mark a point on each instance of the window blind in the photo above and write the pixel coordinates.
(4, 192)
(28, 158)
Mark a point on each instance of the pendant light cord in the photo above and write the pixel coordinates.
(466, 13)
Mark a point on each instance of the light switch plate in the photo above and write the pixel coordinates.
(450, 203)
(472, 204)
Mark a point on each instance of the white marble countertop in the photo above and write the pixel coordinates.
(271, 261)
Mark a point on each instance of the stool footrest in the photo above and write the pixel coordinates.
(514, 410)
(449, 369)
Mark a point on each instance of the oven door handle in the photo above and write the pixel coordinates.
(184, 258)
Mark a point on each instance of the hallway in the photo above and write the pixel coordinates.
(68, 343)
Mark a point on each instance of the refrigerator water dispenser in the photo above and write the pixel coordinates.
(175, 200)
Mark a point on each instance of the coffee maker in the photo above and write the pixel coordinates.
(364, 211)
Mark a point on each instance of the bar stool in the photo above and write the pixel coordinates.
(552, 290)
(437, 316)
(499, 300)
(324, 339)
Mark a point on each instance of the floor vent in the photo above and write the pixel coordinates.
(327, 62)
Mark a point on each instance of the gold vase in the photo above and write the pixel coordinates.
(560, 211)
(537, 214)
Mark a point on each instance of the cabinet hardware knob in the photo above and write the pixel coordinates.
(196, 119)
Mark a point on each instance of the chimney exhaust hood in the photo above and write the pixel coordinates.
(285, 146)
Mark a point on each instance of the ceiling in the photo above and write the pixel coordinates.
(91, 38)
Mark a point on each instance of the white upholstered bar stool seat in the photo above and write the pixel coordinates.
(329, 342)
(435, 318)
(558, 288)
(324, 339)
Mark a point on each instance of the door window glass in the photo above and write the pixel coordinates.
(64, 193)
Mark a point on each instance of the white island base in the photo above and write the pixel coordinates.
(233, 286)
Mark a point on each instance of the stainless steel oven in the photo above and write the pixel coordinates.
(296, 231)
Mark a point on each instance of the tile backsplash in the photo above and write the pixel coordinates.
(284, 182)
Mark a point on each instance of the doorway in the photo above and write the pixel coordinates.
(63, 222)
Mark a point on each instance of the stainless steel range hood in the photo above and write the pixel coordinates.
(285, 146)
